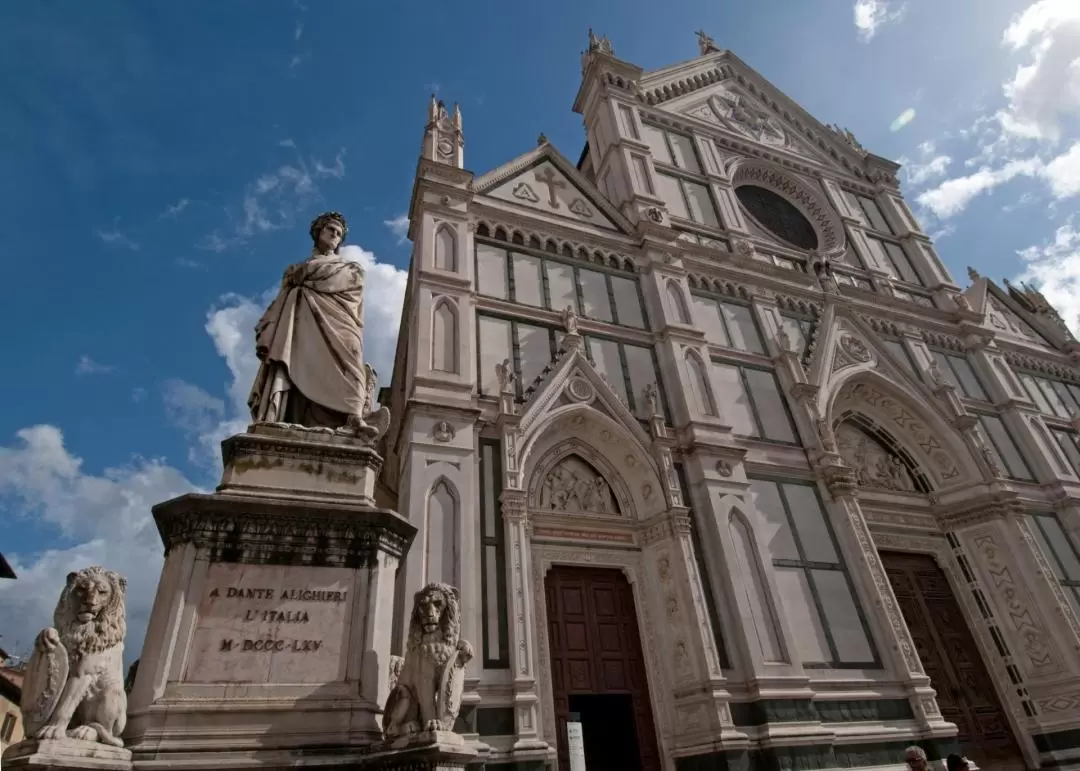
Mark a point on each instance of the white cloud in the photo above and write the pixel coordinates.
(87, 366)
(117, 238)
(872, 15)
(173, 210)
(918, 174)
(953, 195)
(1046, 88)
(274, 200)
(337, 170)
(105, 518)
(1063, 173)
(1055, 268)
(399, 226)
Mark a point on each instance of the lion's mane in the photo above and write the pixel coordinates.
(106, 629)
(449, 624)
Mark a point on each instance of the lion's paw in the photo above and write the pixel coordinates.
(84, 732)
(433, 725)
(52, 732)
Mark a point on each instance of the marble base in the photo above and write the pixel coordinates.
(426, 751)
(63, 754)
(269, 641)
(289, 462)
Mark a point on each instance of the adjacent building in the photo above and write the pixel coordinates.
(722, 458)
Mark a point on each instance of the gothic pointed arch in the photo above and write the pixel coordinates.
(911, 429)
(446, 248)
(679, 309)
(583, 463)
(441, 550)
(444, 336)
(755, 587)
(879, 461)
(700, 390)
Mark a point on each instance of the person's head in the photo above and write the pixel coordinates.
(915, 757)
(328, 231)
(956, 762)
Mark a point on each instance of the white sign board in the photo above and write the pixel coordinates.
(575, 740)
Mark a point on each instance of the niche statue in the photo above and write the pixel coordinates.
(74, 682)
(310, 343)
(425, 694)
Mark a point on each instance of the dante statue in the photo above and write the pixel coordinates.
(310, 343)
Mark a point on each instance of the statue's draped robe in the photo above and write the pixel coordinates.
(312, 334)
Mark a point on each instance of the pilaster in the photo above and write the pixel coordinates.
(522, 621)
(702, 712)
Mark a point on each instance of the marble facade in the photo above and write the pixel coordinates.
(767, 394)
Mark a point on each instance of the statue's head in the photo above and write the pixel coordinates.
(328, 231)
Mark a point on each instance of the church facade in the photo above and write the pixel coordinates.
(722, 459)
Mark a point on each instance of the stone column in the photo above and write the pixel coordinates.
(522, 621)
(875, 595)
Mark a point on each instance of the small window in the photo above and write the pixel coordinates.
(1067, 441)
(1058, 549)
(958, 373)
(627, 302)
(753, 403)
(799, 329)
(528, 286)
(1052, 397)
(814, 587)
(687, 200)
(491, 271)
(872, 213)
(596, 304)
(900, 353)
(728, 324)
(1008, 454)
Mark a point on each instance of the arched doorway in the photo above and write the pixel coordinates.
(902, 453)
(598, 674)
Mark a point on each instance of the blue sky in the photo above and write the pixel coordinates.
(161, 162)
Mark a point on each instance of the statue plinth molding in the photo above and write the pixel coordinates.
(293, 462)
(425, 751)
(63, 754)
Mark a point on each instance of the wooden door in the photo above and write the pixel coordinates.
(965, 692)
(596, 649)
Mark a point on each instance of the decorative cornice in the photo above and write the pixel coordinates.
(265, 531)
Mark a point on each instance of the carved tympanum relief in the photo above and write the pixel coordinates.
(875, 466)
(575, 487)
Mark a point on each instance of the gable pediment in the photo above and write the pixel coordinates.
(724, 91)
(545, 182)
(1004, 322)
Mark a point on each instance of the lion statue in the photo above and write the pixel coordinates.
(74, 682)
(426, 693)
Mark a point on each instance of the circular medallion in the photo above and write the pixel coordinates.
(445, 147)
(580, 390)
(855, 348)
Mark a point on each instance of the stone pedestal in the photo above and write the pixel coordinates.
(64, 754)
(427, 751)
(269, 638)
